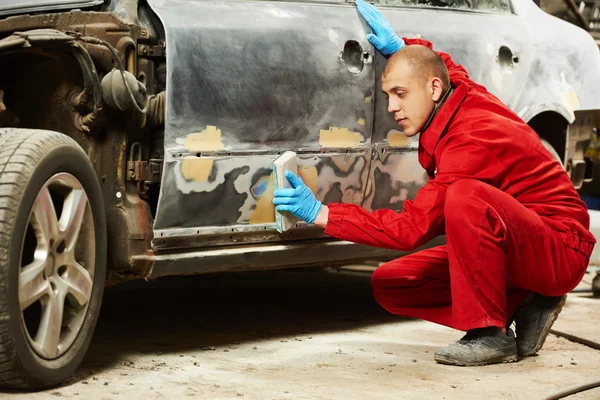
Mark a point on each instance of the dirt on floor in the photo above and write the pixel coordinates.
(299, 334)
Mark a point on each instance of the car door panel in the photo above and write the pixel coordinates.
(248, 190)
(247, 81)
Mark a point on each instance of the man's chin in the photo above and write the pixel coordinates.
(409, 132)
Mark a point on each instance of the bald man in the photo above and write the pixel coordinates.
(517, 237)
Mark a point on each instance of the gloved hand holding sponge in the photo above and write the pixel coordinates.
(300, 200)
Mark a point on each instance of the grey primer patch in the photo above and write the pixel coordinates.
(338, 172)
(386, 188)
(201, 209)
(334, 195)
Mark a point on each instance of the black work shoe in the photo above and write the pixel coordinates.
(480, 347)
(534, 320)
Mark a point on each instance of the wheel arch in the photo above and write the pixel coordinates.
(552, 127)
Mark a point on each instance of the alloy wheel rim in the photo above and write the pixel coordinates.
(56, 268)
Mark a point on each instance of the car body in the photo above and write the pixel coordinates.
(219, 89)
(247, 80)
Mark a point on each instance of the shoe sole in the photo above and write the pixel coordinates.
(448, 361)
(549, 322)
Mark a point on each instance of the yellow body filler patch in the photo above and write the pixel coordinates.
(339, 137)
(208, 140)
(197, 169)
(397, 139)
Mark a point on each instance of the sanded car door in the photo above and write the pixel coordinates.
(246, 81)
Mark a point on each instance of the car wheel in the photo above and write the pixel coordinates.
(52, 256)
(596, 285)
(552, 151)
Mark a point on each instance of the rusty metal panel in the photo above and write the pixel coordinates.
(12, 7)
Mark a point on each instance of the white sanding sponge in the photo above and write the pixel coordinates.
(286, 162)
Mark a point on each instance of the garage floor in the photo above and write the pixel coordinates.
(300, 334)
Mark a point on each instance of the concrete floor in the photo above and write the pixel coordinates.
(299, 334)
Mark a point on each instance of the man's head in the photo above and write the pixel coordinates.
(414, 79)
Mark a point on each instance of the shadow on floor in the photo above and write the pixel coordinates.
(194, 313)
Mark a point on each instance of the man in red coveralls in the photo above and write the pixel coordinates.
(517, 232)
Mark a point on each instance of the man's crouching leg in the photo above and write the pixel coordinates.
(479, 232)
(499, 252)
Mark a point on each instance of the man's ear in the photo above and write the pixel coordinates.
(437, 89)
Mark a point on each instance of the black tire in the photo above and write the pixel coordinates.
(596, 285)
(552, 151)
(28, 159)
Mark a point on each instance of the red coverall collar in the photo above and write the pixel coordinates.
(433, 133)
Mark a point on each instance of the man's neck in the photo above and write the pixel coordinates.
(437, 107)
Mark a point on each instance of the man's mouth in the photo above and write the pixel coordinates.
(400, 120)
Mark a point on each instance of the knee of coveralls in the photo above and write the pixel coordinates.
(416, 286)
(387, 278)
(400, 284)
(455, 205)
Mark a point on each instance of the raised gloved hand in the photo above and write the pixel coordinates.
(298, 200)
(385, 39)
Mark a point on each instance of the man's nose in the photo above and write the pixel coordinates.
(393, 105)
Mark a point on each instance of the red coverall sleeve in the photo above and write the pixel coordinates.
(456, 72)
(421, 220)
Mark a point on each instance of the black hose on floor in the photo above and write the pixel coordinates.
(577, 339)
(580, 388)
(582, 290)
(573, 390)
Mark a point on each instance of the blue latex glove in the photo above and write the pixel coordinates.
(385, 39)
(298, 200)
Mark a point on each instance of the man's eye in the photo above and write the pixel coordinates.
(400, 94)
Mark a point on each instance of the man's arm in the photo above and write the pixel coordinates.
(423, 219)
(420, 220)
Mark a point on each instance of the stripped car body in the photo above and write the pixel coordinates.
(230, 85)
